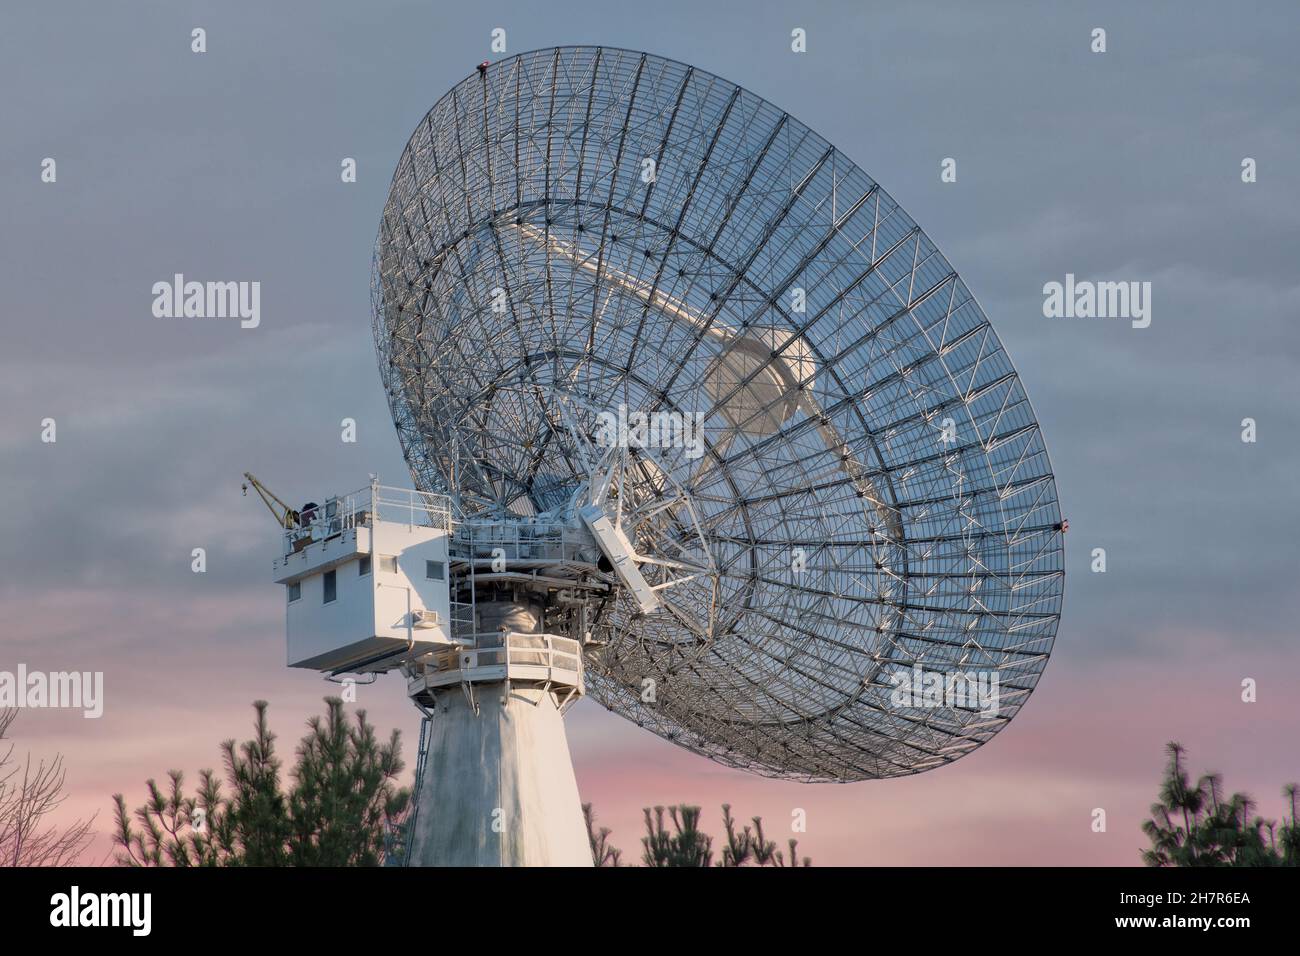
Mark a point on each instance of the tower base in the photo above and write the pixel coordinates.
(498, 786)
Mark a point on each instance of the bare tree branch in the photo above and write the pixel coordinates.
(29, 794)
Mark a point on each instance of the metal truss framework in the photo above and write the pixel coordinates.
(620, 228)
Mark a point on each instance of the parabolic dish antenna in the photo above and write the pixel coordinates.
(611, 282)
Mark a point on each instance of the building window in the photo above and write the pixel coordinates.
(331, 586)
(295, 590)
(388, 563)
(433, 570)
(363, 565)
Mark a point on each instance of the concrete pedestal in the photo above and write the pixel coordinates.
(498, 786)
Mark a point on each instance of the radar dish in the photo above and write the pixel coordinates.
(587, 241)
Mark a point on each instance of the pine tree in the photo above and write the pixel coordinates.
(339, 812)
(684, 846)
(259, 815)
(602, 853)
(1199, 826)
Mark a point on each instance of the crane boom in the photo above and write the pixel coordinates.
(286, 516)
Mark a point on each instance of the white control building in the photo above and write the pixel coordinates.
(383, 578)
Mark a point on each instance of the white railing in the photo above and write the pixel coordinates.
(421, 509)
(538, 650)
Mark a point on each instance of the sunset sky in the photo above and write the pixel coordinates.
(1116, 166)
